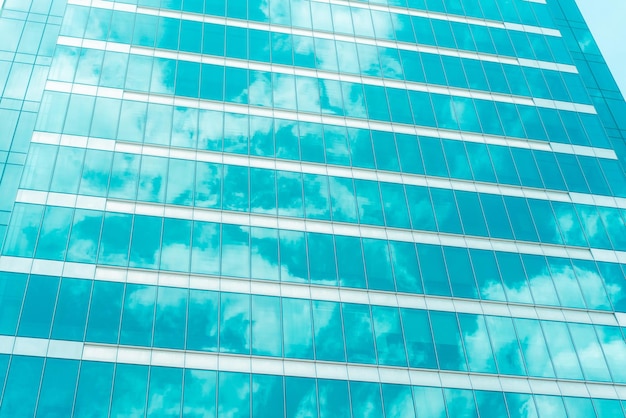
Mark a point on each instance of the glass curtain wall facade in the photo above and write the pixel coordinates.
(309, 208)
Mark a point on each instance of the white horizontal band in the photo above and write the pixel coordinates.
(327, 75)
(546, 65)
(448, 17)
(326, 170)
(307, 291)
(64, 87)
(308, 225)
(305, 368)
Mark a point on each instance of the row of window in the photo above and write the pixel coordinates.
(36, 386)
(327, 144)
(332, 97)
(199, 320)
(322, 54)
(147, 242)
(339, 199)
(362, 22)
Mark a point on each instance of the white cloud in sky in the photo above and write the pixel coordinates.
(606, 19)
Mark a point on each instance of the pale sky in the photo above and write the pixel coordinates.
(606, 19)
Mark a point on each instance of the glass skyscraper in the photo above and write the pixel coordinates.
(309, 208)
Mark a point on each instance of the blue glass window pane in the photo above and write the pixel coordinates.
(369, 202)
(297, 328)
(290, 194)
(378, 265)
(56, 396)
(545, 221)
(395, 205)
(434, 160)
(521, 219)
(316, 196)
(322, 266)
(70, 317)
(520, 405)
(480, 162)
(38, 309)
(171, 312)
(359, 333)
(146, 242)
(202, 320)
(476, 341)
(342, 199)
(487, 275)
(138, 315)
(460, 403)
(267, 396)
(505, 345)
(333, 398)
(456, 158)
(429, 402)
(175, 247)
(105, 312)
(165, 392)
(350, 262)
(388, 333)
(22, 232)
(264, 263)
(200, 394)
(433, 270)
(129, 390)
(422, 213)
(564, 358)
(235, 251)
(405, 267)
(293, 256)
(300, 397)
(450, 351)
(94, 390)
(385, 151)
(115, 238)
(554, 404)
(22, 385)
(471, 213)
(398, 401)
(266, 326)
(235, 323)
(526, 167)
(360, 145)
(490, 404)
(329, 339)
(233, 395)
(12, 290)
(446, 211)
(205, 257)
(460, 272)
(410, 154)
(366, 399)
(495, 213)
(418, 337)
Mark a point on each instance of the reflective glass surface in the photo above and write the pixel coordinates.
(307, 208)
